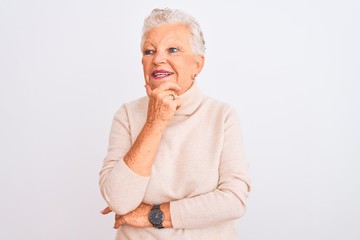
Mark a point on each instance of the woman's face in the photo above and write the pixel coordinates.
(168, 56)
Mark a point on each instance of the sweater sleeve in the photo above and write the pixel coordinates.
(228, 200)
(122, 189)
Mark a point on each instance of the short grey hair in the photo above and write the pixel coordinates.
(172, 16)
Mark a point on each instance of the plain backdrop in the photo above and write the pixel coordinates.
(290, 68)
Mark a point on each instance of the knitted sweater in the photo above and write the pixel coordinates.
(199, 168)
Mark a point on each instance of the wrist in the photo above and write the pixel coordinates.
(165, 207)
(156, 124)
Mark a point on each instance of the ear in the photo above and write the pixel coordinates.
(200, 60)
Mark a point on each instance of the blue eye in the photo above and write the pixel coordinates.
(173, 50)
(148, 52)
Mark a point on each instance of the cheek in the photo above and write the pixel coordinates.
(145, 64)
(146, 61)
(180, 64)
(146, 71)
(187, 66)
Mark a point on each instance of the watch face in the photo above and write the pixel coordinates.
(156, 217)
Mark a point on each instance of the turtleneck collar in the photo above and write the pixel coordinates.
(191, 100)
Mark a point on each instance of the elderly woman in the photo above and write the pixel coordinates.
(175, 167)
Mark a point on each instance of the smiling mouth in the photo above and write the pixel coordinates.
(160, 74)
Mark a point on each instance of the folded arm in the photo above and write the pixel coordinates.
(226, 202)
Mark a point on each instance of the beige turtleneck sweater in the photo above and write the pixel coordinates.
(199, 168)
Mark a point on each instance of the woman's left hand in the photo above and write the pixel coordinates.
(135, 218)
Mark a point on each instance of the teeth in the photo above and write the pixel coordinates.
(161, 74)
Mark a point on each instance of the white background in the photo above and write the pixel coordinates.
(290, 68)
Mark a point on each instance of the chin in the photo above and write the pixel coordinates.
(156, 83)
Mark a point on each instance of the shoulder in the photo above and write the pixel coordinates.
(218, 106)
(132, 109)
(222, 112)
(134, 105)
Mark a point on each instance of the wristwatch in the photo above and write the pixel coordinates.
(156, 216)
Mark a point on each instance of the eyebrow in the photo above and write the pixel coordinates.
(148, 43)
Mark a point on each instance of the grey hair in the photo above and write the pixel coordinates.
(169, 16)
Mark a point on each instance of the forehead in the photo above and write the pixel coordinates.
(168, 32)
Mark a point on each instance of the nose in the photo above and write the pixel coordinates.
(159, 58)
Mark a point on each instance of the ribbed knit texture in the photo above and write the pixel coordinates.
(200, 169)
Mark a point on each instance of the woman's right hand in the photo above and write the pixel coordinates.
(162, 105)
